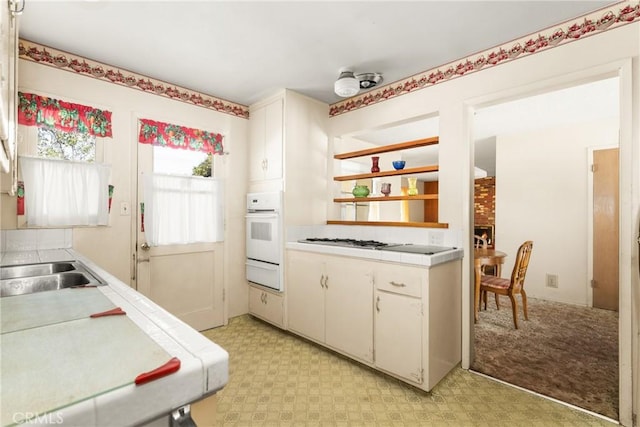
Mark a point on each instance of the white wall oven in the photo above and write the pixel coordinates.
(264, 239)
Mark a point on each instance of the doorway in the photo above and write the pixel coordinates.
(540, 195)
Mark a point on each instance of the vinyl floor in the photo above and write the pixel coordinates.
(279, 379)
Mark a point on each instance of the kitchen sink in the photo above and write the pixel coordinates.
(29, 270)
(30, 278)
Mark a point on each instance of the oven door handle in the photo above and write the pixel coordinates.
(261, 215)
(261, 264)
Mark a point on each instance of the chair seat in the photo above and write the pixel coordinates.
(495, 282)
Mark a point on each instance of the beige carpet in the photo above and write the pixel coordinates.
(566, 352)
(278, 379)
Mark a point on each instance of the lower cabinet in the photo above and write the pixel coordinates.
(329, 301)
(400, 319)
(418, 328)
(305, 294)
(266, 305)
(398, 335)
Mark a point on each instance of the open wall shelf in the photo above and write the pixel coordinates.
(385, 199)
(393, 224)
(431, 199)
(410, 171)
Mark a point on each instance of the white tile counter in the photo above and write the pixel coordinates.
(380, 255)
(203, 371)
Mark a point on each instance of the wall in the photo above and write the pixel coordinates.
(542, 196)
(484, 206)
(454, 100)
(111, 247)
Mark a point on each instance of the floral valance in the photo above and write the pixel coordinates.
(174, 136)
(36, 110)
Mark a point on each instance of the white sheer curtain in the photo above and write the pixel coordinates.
(65, 193)
(183, 209)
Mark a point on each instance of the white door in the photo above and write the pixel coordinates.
(265, 143)
(185, 279)
(398, 335)
(305, 294)
(348, 310)
(605, 229)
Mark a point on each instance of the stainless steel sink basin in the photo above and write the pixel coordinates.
(30, 270)
(30, 278)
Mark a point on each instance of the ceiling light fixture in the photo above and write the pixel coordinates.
(349, 84)
(369, 80)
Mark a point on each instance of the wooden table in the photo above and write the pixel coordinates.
(484, 257)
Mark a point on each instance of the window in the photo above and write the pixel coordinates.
(64, 183)
(58, 144)
(183, 203)
(183, 209)
(167, 160)
(60, 193)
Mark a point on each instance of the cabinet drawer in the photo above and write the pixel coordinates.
(399, 279)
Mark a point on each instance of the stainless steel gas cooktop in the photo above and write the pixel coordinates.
(349, 243)
(417, 249)
(373, 244)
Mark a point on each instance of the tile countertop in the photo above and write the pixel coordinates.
(380, 255)
(203, 371)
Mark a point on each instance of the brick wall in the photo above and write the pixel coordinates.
(485, 201)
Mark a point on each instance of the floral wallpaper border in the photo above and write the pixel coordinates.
(56, 58)
(570, 31)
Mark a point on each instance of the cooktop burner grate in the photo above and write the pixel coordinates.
(345, 242)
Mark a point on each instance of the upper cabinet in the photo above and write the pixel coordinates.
(288, 148)
(266, 141)
(8, 82)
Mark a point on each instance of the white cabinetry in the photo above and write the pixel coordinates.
(288, 152)
(418, 329)
(266, 305)
(329, 301)
(305, 294)
(266, 141)
(401, 319)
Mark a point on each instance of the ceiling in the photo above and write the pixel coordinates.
(243, 51)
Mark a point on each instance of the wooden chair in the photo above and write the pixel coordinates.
(480, 242)
(510, 287)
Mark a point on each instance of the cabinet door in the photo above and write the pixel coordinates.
(266, 305)
(348, 306)
(256, 144)
(398, 335)
(305, 294)
(273, 140)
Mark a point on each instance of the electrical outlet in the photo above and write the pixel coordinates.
(124, 208)
(552, 280)
(436, 238)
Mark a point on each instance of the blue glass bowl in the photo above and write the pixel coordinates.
(398, 164)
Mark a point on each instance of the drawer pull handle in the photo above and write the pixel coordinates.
(322, 281)
(326, 280)
(378, 304)
(400, 285)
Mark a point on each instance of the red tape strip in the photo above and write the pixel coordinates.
(114, 312)
(170, 367)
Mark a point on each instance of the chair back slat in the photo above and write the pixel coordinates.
(521, 264)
